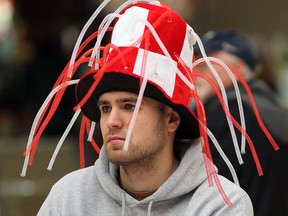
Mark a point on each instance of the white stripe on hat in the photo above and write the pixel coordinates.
(129, 28)
(159, 69)
(187, 50)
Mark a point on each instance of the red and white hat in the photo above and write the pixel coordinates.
(149, 41)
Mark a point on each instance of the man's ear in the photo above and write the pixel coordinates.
(174, 120)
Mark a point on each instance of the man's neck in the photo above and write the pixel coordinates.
(141, 181)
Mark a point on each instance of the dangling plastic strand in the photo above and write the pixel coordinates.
(91, 140)
(43, 107)
(59, 145)
(103, 28)
(82, 33)
(209, 167)
(34, 141)
(91, 131)
(236, 124)
(212, 137)
(256, 111)
(30, 138)
(33, 146)
(201, 118)
(207, 157)
(81, 143)
(139, 98)
(237, 92)
(238, 97)
(223, 156)
(104, 25)
(135, 113)
(212, 69)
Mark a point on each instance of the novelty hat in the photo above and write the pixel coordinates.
(149, 41)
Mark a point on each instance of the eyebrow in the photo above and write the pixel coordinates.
(120, 100)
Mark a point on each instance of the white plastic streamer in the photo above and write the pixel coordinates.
(237, 92)
(36, 119)
(135, 113)
(61, 141)
(223, 155)
(222, 88)
(92, 129)
(82, 33)
(102, 29)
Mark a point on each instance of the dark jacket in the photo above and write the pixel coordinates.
(269, 193)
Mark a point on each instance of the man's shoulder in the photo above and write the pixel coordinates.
(221, 183)
(77, 177)
(223, 197)
(223, 190)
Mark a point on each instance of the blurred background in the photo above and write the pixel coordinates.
(36, 42)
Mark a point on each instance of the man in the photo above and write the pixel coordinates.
(142, 105)
(268, 192)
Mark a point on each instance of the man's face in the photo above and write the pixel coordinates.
(149, 132)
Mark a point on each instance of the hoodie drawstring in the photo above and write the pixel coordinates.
(123, 204)
(149, 208)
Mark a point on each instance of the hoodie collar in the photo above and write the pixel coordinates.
(189, 175)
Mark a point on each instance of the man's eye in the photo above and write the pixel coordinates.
(129, 106)
(105, 109)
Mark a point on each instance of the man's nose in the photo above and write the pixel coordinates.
(114, 119)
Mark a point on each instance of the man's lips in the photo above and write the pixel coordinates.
(115, 139)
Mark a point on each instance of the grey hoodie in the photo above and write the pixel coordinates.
(95, 191)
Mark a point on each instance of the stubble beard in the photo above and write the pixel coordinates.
(142, 155)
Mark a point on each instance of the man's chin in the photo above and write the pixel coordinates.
(114, 146)
(115, 153)
(118, 159)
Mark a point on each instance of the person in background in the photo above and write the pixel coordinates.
(269, 193)
(158, 174)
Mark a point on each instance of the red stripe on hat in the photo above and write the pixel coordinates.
(171, 22)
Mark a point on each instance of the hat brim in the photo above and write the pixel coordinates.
(117, 81)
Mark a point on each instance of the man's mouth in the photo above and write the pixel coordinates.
(115, 139)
